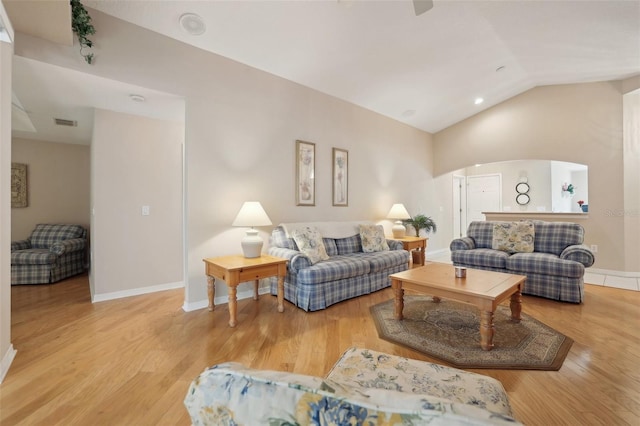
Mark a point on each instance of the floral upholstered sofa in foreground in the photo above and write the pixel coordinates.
(364, 387)
(337, 261)
(550, 254)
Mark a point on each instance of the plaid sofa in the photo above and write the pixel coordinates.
(52, 252)
(348, 273)
(554, 270)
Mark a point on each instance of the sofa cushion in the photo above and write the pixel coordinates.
(335, 268)
(330, 246)
(384, 260)
(231, 394)
(554, 237)
(44, 235)
(373, 238)
(349, 245)
(543, 264)
(365, 368)
(513, 237)
(480, 257)
(309, 241)
(33, 257)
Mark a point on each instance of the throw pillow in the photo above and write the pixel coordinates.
(309, 241)
(373, 238)
(514, 237)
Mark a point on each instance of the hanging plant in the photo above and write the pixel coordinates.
(81, 25)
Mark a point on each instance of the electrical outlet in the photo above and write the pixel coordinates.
(146, 210)
(594, 248)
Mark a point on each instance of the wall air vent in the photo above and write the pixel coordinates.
(63, 122)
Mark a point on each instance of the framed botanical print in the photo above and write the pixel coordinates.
(340, 177)
(18, 185)
(305, 173)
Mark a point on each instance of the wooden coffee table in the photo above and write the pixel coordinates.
(484, 289)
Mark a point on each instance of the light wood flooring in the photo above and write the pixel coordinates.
(130, 361)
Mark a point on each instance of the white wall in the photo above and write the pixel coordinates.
(7, 352)
(240, 130)
(58, 177)
(136, 161)
(580, 123)
(631, 209)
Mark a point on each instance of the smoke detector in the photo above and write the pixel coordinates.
(192, 23)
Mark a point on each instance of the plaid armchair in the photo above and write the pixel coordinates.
(52, 252)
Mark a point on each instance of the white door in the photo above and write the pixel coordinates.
(459, 207)
(484, 194)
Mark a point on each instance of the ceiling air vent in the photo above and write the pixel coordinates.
(63, 122)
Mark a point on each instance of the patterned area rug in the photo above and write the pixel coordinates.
(450, 331)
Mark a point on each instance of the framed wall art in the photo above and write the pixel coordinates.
(19, 185)
(305, 173)
(340, 177)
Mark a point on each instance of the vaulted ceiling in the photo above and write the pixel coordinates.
(425, 70)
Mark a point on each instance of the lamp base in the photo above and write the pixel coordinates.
(398, 229)
(251, 244)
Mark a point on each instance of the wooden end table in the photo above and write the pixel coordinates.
(237, 269)
(414, 243)
(484, 289)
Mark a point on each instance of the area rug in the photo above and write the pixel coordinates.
(450, 331)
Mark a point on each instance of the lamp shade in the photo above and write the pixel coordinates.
(399, 213)
(252, 214)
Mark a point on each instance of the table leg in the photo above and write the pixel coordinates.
(399, 298)
(516, 305)
(436, 299)
(211, 290)
(280, 293)
(487, 330)
(256, 284)
(423, 256)
(233, 306)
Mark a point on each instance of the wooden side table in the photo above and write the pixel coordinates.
(414, 243)
(237, 269)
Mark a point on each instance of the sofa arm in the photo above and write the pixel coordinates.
(578, 253)
(20, 245)
(395, 245)
(297, 259)
(465, 243)
(68, 246)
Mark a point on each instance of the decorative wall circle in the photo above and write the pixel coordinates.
(522, 188)
(522, 199)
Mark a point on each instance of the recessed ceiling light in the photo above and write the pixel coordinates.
(409, 113)
(478, 101)
(137, 98)
(192, 23)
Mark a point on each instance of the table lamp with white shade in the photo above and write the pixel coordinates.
(399, 213)
(252, 214)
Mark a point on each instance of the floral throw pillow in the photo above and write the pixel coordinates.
(514, 237)
(309, 241)
(373, 238)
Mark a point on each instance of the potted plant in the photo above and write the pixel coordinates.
(419, 222)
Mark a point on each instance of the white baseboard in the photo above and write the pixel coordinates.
(7, 359)
(136, 291)
(614, 279)
(201, 304)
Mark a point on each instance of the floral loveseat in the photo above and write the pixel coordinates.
(340, 268)
(550, 254)
(363, 387)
